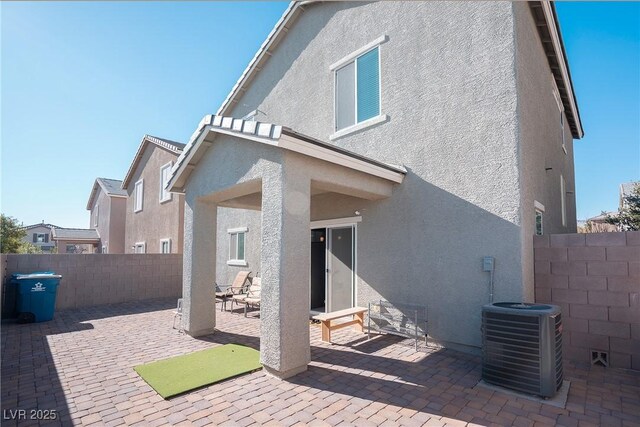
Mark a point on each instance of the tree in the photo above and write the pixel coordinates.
(29, 248)
(11, 235)
(629, 216)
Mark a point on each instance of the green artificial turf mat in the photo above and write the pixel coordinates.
(170, 377)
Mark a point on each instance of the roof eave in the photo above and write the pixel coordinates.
(286, 139)
(146, 140)
(92, 195)
(288, 17)
(557, 53)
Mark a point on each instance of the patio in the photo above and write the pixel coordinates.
(80, 364)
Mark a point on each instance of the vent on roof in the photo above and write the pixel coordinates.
(522, 347)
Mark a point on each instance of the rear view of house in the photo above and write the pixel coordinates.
(154, 216)
(107, 206)
(438, 141)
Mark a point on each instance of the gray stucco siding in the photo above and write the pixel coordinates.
(542, 159)
(451, 98)
(157, 220)
(111, 221)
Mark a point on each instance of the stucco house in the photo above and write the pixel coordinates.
(107, 206)
(40, 236)
(409, 140)
(154, 220)
(76, 240)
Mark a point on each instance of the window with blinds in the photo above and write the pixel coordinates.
(358, 90)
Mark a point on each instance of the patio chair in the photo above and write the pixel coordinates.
(238, 287)
(239, 298)
(253, 295)
(177, 314)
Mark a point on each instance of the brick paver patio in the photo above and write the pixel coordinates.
(81, 363)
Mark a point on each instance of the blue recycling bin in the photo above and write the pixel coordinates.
(36, 295)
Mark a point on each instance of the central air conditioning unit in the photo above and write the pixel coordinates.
(522, 347)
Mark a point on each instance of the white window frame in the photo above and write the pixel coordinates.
(44, 237)
(556, 96)
(104, 250)
(539, 209)
(234, 260)
(563, 200)
(143, 245)
(352, 57)
(162, 241)
(95, 217)
(135, 196)
(165, 196)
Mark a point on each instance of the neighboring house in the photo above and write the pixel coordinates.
(599, 224)
(76, 240)
(626, 190)
(107, 205)
(40, 236)
(387, 148)
(154, 216)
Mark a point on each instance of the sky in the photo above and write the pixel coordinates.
(81, 83)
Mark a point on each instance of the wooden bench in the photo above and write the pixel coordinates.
(326, 318)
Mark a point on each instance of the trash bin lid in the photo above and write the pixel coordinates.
(38, 276)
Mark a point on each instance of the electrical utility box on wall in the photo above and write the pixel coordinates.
(487, 263)
(522, 347)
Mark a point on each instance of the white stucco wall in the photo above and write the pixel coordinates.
(449, 89)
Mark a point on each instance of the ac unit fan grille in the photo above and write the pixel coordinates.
(512, 351)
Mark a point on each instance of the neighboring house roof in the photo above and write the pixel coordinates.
(111, 187)
(274, 135)
(546, 20)
(167, 144)
(75, 234)
(40, 224)
(602, 216)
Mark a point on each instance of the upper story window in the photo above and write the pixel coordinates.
(40, 238)
(95, 216)
(138, 196)
(563, 200)
(357, 88)
(165, 173)
(556, 96)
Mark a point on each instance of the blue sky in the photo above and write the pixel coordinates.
(81, 83)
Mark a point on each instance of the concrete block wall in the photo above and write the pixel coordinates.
(96, 279)
(595, 278)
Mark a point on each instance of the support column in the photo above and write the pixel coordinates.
(285, 263)
(199, 268)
